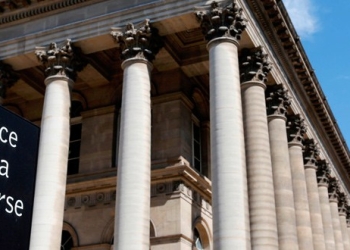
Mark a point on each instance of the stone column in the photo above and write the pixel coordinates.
(277, 104)
(296, 130)
(254, 68)
(222, 27)
(333, 192)
(348, 221)
(323, 174)
(311, 152)
(61, 65)
(8, 78)
(132, 212)
(342, 209)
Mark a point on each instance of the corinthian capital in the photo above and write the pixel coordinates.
(8, 78)
(141, 41)
(323, 172)
(222, 21)
(61, 60)
(348, 216)
(296, 128)
(342, 203)
(254, 65)
(310, 154)
(333, 189)
(277, 100)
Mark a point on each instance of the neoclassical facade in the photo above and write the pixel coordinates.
(174, 125)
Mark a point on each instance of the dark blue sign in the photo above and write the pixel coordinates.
(19, 140)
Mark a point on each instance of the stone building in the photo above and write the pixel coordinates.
(185, 124)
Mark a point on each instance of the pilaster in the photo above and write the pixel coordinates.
(61, 65)
(222, 27)
(139, 45)
(254, 68)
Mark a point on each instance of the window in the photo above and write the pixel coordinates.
(66, 241)
(197, 240)
(196, 147)
(116, 134)
(75, 137)
(74, 149)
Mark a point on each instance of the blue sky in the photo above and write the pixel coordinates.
(324, 28)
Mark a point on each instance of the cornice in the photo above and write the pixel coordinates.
(169, 239)
(176, 180)
(173, 97)
(22, 13)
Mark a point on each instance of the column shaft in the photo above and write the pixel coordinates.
(52, 165)
(344, 231)
(315, 209)
(326, 217)
(336, 225)
(287, 233)
(229, 183)
(302, 212)
(263, 224)
(133, 187)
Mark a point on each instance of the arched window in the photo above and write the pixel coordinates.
(201, 235)
(66, 240)
(198, 244)
(152, 231)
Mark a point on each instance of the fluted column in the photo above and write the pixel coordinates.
(277, 103)
(254, 68)
(342, 209)
(323, 174)
(333, 192)
(8, 78)
(296, 130)
(222, 27)
(310, 154)
(132, 211)
(61, 65)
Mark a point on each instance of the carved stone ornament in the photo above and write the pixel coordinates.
(277, 100)
(348, 216)
(222, 21)
(333, 189)
(311, 152)
(141, 41)
(65, 60)
(323, 172)
(342, 203)
(253, 65)
(8, 77)
(296, 128)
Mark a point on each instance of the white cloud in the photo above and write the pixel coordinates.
(343, 77)
(302, 13)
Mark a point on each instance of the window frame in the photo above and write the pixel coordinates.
(196, 123)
